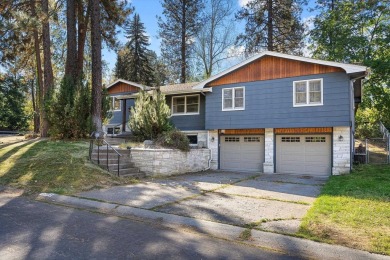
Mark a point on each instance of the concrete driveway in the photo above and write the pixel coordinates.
(273, 202)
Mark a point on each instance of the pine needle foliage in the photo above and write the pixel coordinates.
(69, 111)
(150, 115)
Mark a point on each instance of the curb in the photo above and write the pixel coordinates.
(292, 246)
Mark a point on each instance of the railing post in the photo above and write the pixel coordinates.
(98, 154)
(366, 151)
(107, 159)
(118, 164)
(90, 150)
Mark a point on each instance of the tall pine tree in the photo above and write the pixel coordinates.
(177, 31)
(272, 25)
(133, 62)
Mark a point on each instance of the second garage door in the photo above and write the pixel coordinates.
(242, 153)
(305, 154)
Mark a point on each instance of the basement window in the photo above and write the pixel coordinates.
(193, 139)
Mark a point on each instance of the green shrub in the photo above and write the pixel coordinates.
(150, 115)
(12, 102)
(173, 139)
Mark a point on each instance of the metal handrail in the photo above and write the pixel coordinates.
(91, 144)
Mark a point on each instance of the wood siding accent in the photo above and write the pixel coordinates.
(268, 67)
(307, 130)
(256, 131)
(121, 87)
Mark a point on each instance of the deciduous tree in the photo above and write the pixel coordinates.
(216, 36)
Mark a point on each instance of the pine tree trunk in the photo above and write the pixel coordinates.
(38, 64)
(48, 71)
(35, 108)
(82, 35)
(183, 45)
(270, 27)
(96, 108)
(71, 41)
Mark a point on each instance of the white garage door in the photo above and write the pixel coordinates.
(242, 152)
(306, 154)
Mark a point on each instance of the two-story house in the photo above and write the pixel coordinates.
(273, 113)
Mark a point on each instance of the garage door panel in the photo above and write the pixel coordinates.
(306, 154)
(243, 153)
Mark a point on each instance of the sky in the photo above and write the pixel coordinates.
(148, 11)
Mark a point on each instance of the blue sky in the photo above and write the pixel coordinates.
(148, 11)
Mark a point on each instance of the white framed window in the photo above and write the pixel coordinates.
(233, 99)
(185, 105)
(308, 93)
(116, 104)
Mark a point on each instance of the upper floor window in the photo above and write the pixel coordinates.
(185, 105)
(115, 104)
(233, 98)
(308, 93)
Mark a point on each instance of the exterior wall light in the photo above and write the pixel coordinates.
(212, 139)
(341, 138)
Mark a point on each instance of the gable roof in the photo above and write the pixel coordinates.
(181, 88)
(348, 68)
(174, 89)
(129, 83)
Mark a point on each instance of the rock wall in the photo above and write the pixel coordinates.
(165, 162)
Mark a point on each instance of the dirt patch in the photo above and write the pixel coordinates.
(10, 139)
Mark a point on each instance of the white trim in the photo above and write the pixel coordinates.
(113, 104)
(349, 68)
(185, 105)
(233, 99)
(128, 82)
(308, 104)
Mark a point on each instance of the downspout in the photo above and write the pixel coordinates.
(210, 156)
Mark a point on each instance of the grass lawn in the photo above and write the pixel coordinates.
(52, 166)
(353, 210)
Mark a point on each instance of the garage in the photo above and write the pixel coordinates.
(303, 154)
(242, 152)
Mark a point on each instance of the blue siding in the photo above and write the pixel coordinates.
(189, 122)
(269, 104)
(116, 118)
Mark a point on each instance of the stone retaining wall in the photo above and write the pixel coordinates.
(155, 162)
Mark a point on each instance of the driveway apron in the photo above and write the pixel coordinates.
(273, 202)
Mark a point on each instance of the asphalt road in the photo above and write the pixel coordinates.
(36, 230)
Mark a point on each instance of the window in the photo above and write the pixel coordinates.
(251, 139)
(193, 139)
(116, 104)
(308, 93)
(231, 139)
(315, 139)
(233, 99)
(287, 139)
(185, 105)
(112, 130)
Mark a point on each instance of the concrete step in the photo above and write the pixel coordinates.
(104, 156)
(115, 141)
(129, 172)
(138, 175)
(114, 166)
(103, 161)
(101, 150)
